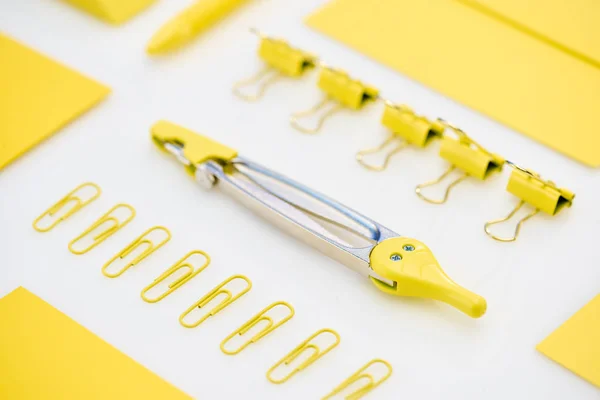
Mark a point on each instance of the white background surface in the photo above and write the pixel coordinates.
(532, 286)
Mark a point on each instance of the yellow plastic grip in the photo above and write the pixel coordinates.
(416, 273)
(196, 148)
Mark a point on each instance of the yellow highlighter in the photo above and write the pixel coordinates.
(190, 23)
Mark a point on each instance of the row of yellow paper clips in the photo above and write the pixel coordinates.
(107, 225)
(316, 346)
(406, 128)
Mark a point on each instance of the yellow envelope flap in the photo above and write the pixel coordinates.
(46, 355)
(576, 344)
(570, 25)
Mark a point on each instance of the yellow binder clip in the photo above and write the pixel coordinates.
(362, 375)
(110, 224)
(468, 156)
(74, 198)
(309, 345)
(143, 241)
(213, 294)
(281, 60)
(258, 319)
(532, 189)
(182, 264)
(406, 128)
(340, 91)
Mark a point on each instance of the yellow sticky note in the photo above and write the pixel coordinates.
(113, 11)
(46, 355)
(576, 344)
(542, 79)
(38, 96)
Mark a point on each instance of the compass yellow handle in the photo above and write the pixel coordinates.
(416, 273)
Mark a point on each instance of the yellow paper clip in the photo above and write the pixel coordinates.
(254, 321)
(108, 218)
(406, 128)
(210, 296)
(281, 60)
(183, 263)
(307, 345)
(142, 240)
(532, 189)
(359, 375)
(340, 91)
(74, 198)
(465, 154)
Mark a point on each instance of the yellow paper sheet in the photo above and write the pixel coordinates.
(486, 63)
(576, 344)
(46, 355)
(38, 96)
(113, 11)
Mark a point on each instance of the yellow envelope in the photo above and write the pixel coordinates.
(113, 11)
(570, 25)
(38, 96)
(532, 65)
(576, 344)
(46, 355)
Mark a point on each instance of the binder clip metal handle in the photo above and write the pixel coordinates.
(399, 145)
(267, 75)
(488, 224)
(295, 117)
(419, 188)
